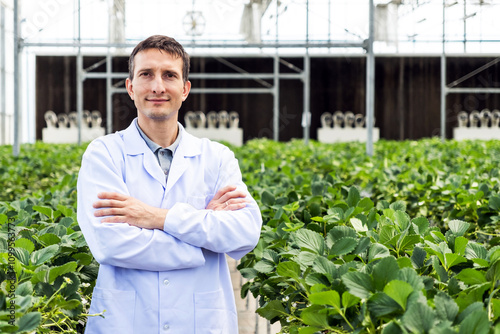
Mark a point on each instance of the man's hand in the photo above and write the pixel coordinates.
(228, 199)
(119, 208)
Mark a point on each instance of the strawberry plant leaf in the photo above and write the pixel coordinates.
(493, 273)
(471, 276)
(43, 255)
(460, 245)
(330, 297)
(323, 266)
(418, 257)
(310, 240)
(408, 241)
(358, 225)
(399, 291)
(458, 227)
(446, 308)
(339, 232)
(264, 266)
(419, 318)
(495, 308)
(315, 315)
(353, 197)
(48, 239)
(359, 284)
(25, 243)
(384, 271)
(309, 330)
(47, 211)
(29, 321)
(349, 300)
(55, 272)
(440, 271)
(474, 250)
(494, 203)
(267, 198)
(402, 220)
(420, 225)
(343, 246)
(398, 206)
(452, 259)
(377, 251)
(24, 289)
(475, 323)
(380, 304)
(288, 269)
(271, 310)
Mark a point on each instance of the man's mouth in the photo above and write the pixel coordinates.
(157, 100)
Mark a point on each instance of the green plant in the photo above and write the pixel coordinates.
(366, 269)
(46, 270)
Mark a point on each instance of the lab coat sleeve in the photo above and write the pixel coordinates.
(232, 232)
(120, 244)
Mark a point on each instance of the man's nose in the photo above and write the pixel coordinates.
(158, 86)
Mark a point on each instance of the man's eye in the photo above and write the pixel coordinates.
(144, 74)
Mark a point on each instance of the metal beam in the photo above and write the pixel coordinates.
(370, 82)
(482, 90)
(186, 45)
(109, 94)
(276, 99)
(443, 79)
(16, 148)
(3, 91)
(79, 80)
(306, 114)
(232, 90)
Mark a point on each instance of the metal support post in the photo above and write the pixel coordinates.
(16, 148)
(306, 116)
(443, 80)
(79, 81)
(276, 98)
(109, 94)
(370, 83)
(79, 93)
(3, 91)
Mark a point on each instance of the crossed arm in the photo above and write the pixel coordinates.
(120, 208)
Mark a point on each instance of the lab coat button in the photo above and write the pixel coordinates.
(166, 327)
(166, 282)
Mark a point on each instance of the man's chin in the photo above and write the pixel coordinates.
(159, 116)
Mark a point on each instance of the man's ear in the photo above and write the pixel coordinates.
(186, 90)
(130, 90)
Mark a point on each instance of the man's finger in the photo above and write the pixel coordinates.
(108, 204)
(112, 195)
(233, 194)
(223, 191)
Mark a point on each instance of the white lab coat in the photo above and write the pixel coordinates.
(171, 281)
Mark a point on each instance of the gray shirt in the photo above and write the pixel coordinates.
(163, 155)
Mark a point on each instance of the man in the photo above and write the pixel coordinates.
(160, 209)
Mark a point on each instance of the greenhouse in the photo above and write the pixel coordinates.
(250, 166)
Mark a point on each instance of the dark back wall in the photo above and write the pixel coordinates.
(407, 93)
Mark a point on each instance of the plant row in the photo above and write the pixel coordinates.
(424, 214)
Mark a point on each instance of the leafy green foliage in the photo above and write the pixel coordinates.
(400, 243)
(406, 241)
(46, 270)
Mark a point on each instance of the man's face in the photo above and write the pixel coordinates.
(157, 88)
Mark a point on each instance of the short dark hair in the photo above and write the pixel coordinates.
(162, 43)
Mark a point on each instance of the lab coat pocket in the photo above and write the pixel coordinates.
(198, 202)
(210, 314)
(119, 314)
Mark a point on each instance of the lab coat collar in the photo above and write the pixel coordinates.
(135, 145)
